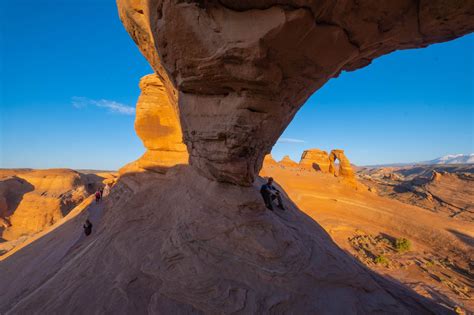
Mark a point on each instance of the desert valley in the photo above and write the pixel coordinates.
(184, 229)
(413, 224)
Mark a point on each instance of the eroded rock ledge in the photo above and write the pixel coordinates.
(241, 69)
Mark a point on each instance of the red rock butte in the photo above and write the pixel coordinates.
(238, 71)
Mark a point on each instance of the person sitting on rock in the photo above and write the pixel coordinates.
(87, 227)
(270, 193)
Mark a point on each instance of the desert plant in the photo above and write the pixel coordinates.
(381, 260)
(402, 245)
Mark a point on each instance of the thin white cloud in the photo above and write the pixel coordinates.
(111, 106)
(290, 140)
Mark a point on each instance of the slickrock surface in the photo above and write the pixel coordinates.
(179, 243)
(241, 69)
(315, 159)
(438, 262)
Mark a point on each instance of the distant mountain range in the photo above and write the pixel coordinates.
(447, 159)
(452, 159)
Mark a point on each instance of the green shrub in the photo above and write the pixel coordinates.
(381, 260)
(402, 245)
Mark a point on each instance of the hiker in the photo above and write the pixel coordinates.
(97, 196)
(270, 193)
(101, 190)
(87, 227)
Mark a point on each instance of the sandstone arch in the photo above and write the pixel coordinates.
(241, 69)
(345, 168)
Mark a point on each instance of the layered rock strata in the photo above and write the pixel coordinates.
(315, 159)
(157, 124)
(240, 70)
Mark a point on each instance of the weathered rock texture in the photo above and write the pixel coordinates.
(157, 124)
(242, 69)
(315, 159)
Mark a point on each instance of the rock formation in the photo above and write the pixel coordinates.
(37, 199)
(315, 159)
(286, 161)
(178, 243)
(241, 69)
(182, 242)
(269, 160)
(345, 168)
(157, 124)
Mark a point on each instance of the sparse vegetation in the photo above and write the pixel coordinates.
(402, 245)
(429, 264)
(381, 260)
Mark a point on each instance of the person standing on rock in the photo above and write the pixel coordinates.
(270, 193)
(87, 227)
(97, 196)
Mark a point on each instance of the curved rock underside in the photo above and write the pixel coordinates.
(240, 70)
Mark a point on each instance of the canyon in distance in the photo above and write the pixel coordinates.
(190, 226)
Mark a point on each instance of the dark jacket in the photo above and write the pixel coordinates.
(87, 228)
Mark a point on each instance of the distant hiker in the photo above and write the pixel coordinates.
(97, 196)
(87, 227)
(101, 190)
(270, 193)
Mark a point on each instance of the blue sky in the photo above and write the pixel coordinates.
(69, 81)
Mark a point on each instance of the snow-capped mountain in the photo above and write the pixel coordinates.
(453, 159)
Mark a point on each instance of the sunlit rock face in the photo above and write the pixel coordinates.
(240, 75)
(286, 161)
(158, 126)
(315, 159)
(269, 160)
(32, 200)
(345, 169)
